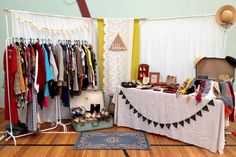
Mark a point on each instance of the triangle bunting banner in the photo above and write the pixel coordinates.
(130, 106)
(139, 115)
(149, 121)
(211, 103)
(168, 125)
(199, 113)
(144, 118)
(155, 124)
(175, 124)
(162, 125)
(135, 111)
(193, 117)
(205, 108)
(187, 120)
(123, 97)
(181, 123)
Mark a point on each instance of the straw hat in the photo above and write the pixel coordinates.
(226, 15)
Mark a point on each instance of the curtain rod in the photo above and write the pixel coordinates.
(51, 15)
(63, 16)
(43, 14)
(180, 17)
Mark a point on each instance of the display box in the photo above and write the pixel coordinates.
(212, 68)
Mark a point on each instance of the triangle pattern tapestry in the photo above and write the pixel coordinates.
(118, 44)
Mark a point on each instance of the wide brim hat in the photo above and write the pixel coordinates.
(226, 15)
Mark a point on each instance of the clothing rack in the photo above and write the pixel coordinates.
(58, 121)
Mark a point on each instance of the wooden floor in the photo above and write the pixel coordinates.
(58, 144)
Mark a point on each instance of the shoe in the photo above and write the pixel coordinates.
(97, 108)
(103, 111)
(92, 108)
(106, 114)
(94, 115)
(88, 115)
(77, 120)
(82, 120)
(98, 115)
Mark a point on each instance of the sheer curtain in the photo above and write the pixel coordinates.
(117, 64)
(169, 46)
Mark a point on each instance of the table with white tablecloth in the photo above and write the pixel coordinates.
(178, 117)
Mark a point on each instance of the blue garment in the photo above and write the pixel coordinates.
(224, 94)
(49, 73)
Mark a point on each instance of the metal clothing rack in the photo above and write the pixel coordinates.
(58, 107)
(58, 121)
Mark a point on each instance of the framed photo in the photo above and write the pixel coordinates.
(154, 77)
(145, 80)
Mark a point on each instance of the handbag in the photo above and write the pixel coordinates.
(171, 79)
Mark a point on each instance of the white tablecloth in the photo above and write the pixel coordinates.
(173, 114)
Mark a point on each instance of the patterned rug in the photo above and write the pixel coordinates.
(112, 141)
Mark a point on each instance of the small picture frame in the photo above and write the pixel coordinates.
(154, 77)
(145, 80)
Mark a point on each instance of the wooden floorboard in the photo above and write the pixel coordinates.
(57, 144)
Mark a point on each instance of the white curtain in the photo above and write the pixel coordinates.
(169, 46)
(117, 64)
(55, 28)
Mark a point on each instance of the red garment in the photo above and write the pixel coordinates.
(12, 68)
(41, 79)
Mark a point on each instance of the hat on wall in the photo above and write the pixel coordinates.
(226, 15)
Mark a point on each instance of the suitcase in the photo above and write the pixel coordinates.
(213, 67)
(85, 100)
(93, 125)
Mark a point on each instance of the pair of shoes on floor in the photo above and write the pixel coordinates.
(96, 115)
(104, 114)
(94, 108)
(90, 117)
(80, 119)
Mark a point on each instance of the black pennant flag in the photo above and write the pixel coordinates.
(187, 120)
(162, 125)
(123, 97)
(175, 124)
(121, 92)
(193, 117)
(211, 103)
(144, 118)
(155, 124)
(149, 121)
(130, 106)
(199, 113)
(127, 102)
(205, 108)
(135, 111)
(168, 125)
(139, 115)
(181, 123)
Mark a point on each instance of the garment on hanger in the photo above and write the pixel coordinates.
(12, 68)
